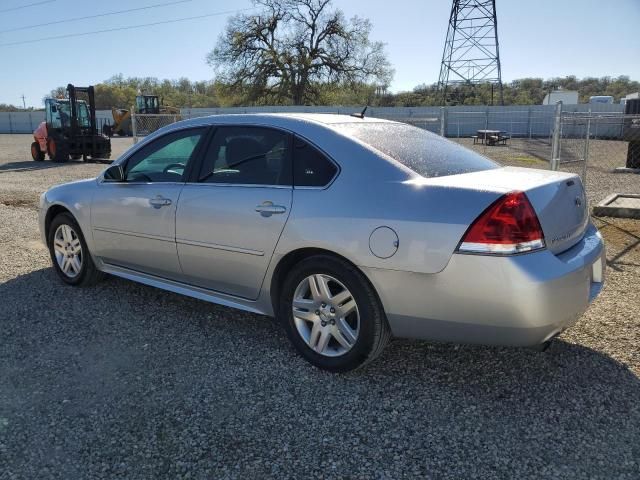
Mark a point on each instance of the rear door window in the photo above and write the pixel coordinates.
(247, 156)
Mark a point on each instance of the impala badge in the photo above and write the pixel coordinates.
(578, 202)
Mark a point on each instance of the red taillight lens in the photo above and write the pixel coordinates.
(509, 225)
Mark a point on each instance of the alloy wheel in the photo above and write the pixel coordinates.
(326, 315)
(68, 250)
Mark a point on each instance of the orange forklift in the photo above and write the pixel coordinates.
(69, 129)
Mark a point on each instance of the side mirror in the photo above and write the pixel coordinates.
(114, 174)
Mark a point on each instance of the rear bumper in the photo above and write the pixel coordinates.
(517, 300)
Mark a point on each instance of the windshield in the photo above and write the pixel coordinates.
(423, 152)
(59, 112)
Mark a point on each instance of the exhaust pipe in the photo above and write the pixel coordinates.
(541, 347)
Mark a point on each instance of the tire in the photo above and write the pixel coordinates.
(58, 152)
(76, 156)
(369, 334)
(36, 153)
(87, 274)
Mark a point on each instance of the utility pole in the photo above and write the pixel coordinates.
(24, 105)
(471, 55)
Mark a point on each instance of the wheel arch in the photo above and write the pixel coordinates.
(287, 262)
(52, 212)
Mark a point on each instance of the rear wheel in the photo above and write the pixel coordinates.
(58, 152)
(70, 254)
(332, 314)
(36, 153)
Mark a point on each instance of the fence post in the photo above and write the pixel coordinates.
(555, 144)
(10, 124)
(133, 125)
(586, 150)
(443, 122)
(529, 122)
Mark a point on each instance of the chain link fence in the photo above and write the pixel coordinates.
(603, 149)
(145, 124)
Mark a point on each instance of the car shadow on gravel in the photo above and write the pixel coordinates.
(28, 166)
(124, 380)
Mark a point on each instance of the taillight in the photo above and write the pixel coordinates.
(510, 225)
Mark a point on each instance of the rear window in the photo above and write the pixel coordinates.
(423, 152)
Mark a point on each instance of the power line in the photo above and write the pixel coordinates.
(55, 22)
(130, 27)
(25, 6)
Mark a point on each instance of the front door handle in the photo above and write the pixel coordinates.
(159, 201)
(268, 208)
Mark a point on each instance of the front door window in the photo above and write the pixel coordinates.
(164, 160)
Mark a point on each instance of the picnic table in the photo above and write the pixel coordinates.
(491, 137)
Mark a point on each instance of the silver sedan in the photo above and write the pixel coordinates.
(349, 230)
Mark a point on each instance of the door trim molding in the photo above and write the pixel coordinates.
(134, 234)
(215, 246)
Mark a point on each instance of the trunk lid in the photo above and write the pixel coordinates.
(557, 197)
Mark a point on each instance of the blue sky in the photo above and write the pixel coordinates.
(542, 38)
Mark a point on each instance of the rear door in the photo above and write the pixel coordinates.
(232, 212)
(133, 222)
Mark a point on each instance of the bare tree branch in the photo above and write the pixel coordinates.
(292, 47)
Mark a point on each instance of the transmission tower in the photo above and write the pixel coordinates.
(471, 55)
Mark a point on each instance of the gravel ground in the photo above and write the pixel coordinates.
(127, 381)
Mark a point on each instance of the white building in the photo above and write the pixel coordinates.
(567, 97)
(631, 96)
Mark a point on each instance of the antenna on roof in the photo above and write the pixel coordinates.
(361, 114)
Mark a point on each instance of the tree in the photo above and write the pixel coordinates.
(287, 52)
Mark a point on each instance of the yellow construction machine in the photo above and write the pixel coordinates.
(145, 105)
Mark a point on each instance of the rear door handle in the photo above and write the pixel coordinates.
(268, 208)
(159, 201)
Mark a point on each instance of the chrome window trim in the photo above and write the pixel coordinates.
(244, 185)
(103, 182)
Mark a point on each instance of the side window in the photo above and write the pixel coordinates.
(53, 114)
(247, 156)
(310, 167)
(165, 159)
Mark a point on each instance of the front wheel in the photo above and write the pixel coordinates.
(36, 153)
(70, 254)
(332, 314)
(57, 151)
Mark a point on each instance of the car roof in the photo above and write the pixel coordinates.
(284, 119)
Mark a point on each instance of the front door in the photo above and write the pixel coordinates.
(230, 217)
(133, 221)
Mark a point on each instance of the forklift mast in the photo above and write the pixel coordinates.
(73, 100)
